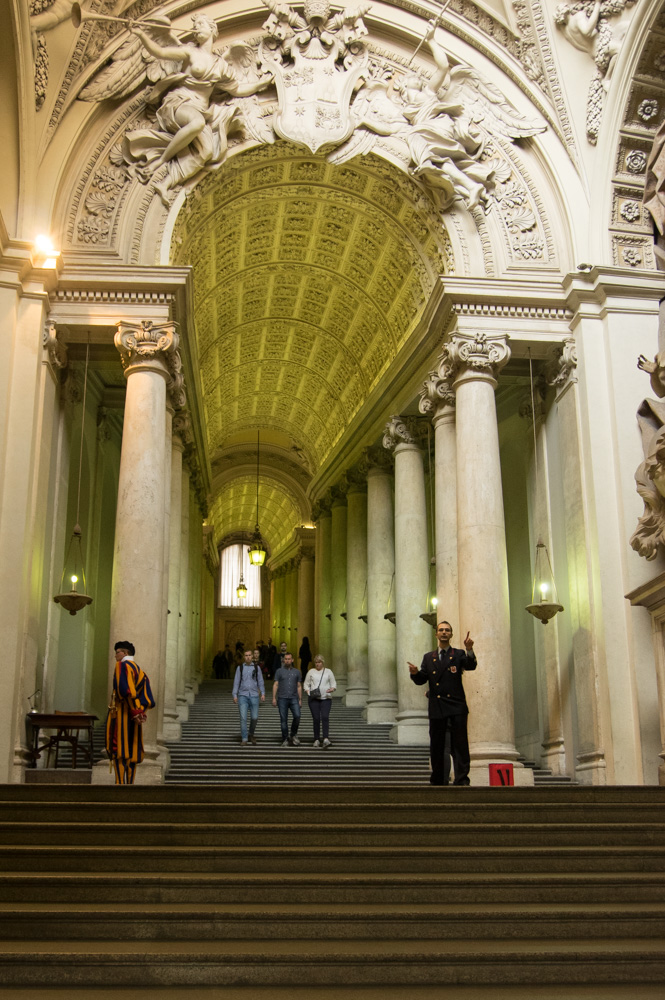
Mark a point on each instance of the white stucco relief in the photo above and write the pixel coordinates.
(586, 25)
(446, 131)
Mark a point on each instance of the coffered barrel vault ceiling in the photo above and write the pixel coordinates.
(308, 278)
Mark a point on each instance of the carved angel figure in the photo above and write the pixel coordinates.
(654, 194)
(585, 24)
(444, 123)
(188, 77)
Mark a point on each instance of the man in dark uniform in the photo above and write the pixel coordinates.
(448, 710)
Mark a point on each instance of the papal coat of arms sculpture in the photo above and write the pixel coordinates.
(331, 98)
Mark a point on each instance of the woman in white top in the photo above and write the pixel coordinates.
(319, 686)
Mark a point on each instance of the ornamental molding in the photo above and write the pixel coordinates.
(561, 364)
(56, 350)
(110, 296)
(513, 310)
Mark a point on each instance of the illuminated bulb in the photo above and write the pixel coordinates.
(543, 590)
(435, 601)
(46, 255)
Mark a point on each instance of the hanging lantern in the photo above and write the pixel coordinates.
(257, 551)
(73, 571)
(363, 617)
(241, 589)
(430, 615)
(544, 601)
(391, 614)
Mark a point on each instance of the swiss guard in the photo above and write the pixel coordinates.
(130, 700)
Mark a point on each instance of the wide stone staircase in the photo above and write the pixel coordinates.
(210, 751)
(322, 890)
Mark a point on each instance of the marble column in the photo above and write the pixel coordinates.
(137, 610)
(306, 595)
(474, 364)
(323, 519)
(413, 635)
(382, 694)
(183, 613)
(338, 590)
(172, 727)
(356, 581)
(438, 401)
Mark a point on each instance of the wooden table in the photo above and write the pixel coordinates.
(68, 726)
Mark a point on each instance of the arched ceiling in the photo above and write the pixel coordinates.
(308, 278)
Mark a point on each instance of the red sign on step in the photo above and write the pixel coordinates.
(501, 774)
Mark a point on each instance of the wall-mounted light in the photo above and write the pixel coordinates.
(44, 255)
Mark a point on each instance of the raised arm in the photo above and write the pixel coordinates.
(175, 53)
(442, 76)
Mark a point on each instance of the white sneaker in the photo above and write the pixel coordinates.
(327, 743)
(317, 743)
(285, 743)
(295, 741)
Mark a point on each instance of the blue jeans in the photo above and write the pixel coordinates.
(284, 704)
(251, 705)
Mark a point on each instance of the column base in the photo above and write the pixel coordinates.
(554, 757)
(182, 710)
(172, 730)
(341, 689)
(591, 768)
(190, 694)
(356, 697)
(410, 729)
(381, 711)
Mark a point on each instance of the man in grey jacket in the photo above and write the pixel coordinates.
(248, 689)
(287, 695)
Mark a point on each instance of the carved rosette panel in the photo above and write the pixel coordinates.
(146, 345)
(629, 226)
(481, 354)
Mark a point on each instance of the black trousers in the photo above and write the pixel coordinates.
(456, 726)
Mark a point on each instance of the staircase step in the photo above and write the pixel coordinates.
(343, 962)
(204, 922)
(335, 887)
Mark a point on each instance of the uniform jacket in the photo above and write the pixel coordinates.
(132, 697)
(446, 691)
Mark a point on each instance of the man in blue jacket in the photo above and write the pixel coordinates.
(447, 708)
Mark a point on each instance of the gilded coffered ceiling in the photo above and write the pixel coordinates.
(308, 278)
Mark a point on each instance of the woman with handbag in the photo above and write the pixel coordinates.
(319, 686)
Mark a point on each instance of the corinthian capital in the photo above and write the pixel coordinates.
(375, 458)
(437, 391)
(479, 353)
(147, 345)
(403, 430)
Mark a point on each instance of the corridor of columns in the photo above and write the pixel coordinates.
(379, 364)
